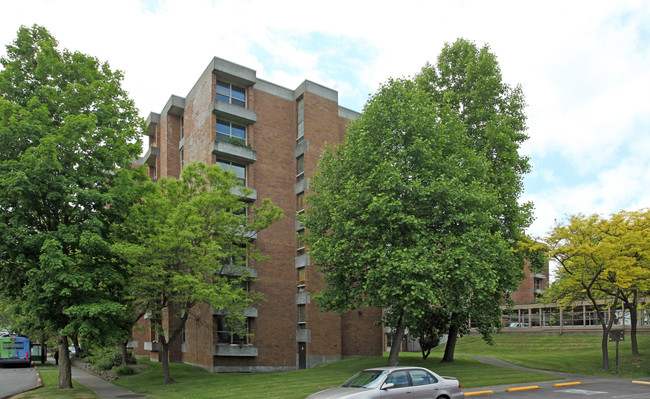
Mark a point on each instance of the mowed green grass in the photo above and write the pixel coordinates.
(193, 382)
(578, 354)
(50, 389)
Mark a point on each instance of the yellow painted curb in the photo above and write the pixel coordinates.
(641, 382)
(566, 384)
(522, 388)
(478, 393)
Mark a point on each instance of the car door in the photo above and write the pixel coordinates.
(402, 388)
(425, 385)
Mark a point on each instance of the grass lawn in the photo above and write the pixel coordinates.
(193, 382)
(50, 389)
(578, 354)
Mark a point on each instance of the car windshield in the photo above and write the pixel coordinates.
(365, 379)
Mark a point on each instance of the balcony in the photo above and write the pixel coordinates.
(235, 350)
(152, 121)
(303, 298)
(248, 312)
(153, 346)
(303, 335)
(248, 194)
(234, 270)
(233, 152)
(150, 157)
(234, 113)
(302, 260)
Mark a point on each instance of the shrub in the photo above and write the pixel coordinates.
(102, 365)
(124, 370)
(109, 355)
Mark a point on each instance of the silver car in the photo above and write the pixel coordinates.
(395, 382)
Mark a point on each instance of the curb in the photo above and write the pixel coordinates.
(531, 387)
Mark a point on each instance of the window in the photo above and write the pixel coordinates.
(300, 202)
(399, 378)
(300, 166)
(182, 126)
(229, 132)
(238, 257)
(302, 314)
(183, 335)
(421, 377)
(231, 94)
(239, 169)
(300, 241)
(225, 334)
(301, 276)
(182, 158)
(301, 120)
(538, 283)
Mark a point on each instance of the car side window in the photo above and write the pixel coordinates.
(421, 377)
(399, 378)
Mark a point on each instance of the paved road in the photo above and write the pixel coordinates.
(593, 388)
(14, 380)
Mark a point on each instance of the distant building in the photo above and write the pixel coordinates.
(272, 138)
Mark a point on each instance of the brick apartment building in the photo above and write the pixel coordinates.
(272, 138)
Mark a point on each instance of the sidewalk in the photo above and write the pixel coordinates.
(103, 389)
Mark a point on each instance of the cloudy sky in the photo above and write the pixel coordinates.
(584, 67)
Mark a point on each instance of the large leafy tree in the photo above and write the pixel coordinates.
(410, 211)
(602, 261)
(186, 240)
(67, 133)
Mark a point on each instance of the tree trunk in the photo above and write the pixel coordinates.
(397, 342)
(75, 343)
(124, 352)
(165, 360)
(604, 349)
(65, 368)
(633, 322)
(451, 344)
(43, 348)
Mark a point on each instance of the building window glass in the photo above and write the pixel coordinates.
(231, 94)
(225, 334)
(182, 158)
(301, 276)
(240, 170)
(300, 166)
(231, 132)
(302, 314)
(300, 241)
(182, 126)
(301, 120)
(300, 202)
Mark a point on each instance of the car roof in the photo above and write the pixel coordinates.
(396, 368)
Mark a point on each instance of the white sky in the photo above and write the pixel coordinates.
(584, 67)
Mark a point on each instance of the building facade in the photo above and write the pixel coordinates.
(272, 138)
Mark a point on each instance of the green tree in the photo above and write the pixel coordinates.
(185, 240)
(68, 131)
(468, 80)
(602, 260)
(410, 210)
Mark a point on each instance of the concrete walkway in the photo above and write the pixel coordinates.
(103, 389)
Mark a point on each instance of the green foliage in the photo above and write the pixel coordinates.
(110, 355)
(185, 241)
(68, 132)
(124, 370)
(419, 207)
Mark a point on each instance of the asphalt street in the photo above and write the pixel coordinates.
(14, 380)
